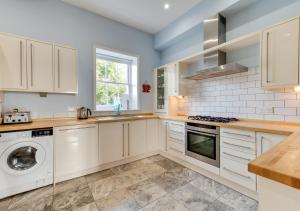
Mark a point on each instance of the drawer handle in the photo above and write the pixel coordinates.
(81, 128)
(172, 148)
(176, 124)
(237, 145)
(230, 133)
(233, 172)
(225, 153)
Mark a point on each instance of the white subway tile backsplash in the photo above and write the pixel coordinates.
(286, 111)
(241, 96)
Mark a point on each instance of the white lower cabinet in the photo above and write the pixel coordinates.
(152, 135)
(176, 139)
(76, 149)
(267, 140)
(162, 135)
(137, 141)
(112, 142)
(238, 148)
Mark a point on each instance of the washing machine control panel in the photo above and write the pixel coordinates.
(10, 136)
(42, 132)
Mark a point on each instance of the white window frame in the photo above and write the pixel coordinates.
(129, 78)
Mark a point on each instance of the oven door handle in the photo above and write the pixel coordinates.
(200, 133)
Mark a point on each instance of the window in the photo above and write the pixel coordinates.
(116, 80)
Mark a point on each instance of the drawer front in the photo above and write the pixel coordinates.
(238, 134)
(236, 156)
(178, 137)
(176, 146)
(238, 173)
(177, 126)
(239, 145)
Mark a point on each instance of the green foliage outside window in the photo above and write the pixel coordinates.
(112, 81)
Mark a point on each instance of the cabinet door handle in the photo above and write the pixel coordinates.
(31, 63)
(230, 133)
(123, 155)
(225, 153)
(233, 172)
(21, 63)
(268, 34)
(58, 68)
(128, 140)
(237, 145)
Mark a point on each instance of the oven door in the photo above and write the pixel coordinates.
(203, 146)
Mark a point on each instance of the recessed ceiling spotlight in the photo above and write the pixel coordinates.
(166, 6)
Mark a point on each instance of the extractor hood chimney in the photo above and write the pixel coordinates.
(214, 63)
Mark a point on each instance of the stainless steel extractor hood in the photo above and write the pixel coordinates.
(214, 64)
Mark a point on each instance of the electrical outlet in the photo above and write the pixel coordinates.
(265, 110)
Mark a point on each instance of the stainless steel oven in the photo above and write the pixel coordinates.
(203, 143)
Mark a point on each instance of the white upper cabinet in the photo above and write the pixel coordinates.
(34, 66)
(12, 62)
(175, 82)
(65, 70)
(280, 55)
(40, 66)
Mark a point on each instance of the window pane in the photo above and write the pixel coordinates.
(108, 94)
(111, 71)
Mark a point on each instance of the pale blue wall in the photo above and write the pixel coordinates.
(54, 21)
(257, 16)
(176, 30)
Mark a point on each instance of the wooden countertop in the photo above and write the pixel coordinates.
(282, 162)
(60, 122)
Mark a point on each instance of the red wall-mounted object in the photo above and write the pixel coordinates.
(146, 87)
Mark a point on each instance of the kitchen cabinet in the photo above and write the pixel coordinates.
(40, 66)
(137, 142)
(176, 139)
(280, 55)
(112, 141)
(175, 80)
(152, 135)
(237, 149)
(65, 69)
(267, 140)
(162, 135)
(76, 150)
(12, 62)
(160, 89)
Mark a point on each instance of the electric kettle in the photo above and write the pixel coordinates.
(83, 113)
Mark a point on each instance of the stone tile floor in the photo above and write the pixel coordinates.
(154, 183)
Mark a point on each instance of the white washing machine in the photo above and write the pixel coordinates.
(26, 161)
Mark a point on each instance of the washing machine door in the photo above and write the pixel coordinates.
(23, 158)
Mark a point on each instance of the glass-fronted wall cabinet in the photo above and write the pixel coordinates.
(160, 89)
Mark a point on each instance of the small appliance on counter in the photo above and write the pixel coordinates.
(17, 117)
(84, 113)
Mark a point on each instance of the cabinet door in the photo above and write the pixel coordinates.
(172, 80)
(40, 66)
(76, 149)
(152, 135)
(280, 55)
(160, 90)
(12, 63)
(65, 70)
(162, 135)
(111, 142)
(267, 140)
(137, 142)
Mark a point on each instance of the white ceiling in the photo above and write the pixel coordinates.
(146, 15)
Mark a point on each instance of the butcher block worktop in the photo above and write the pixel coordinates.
(281, 163)
(59, 122)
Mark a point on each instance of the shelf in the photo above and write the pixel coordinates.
(229, 46)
